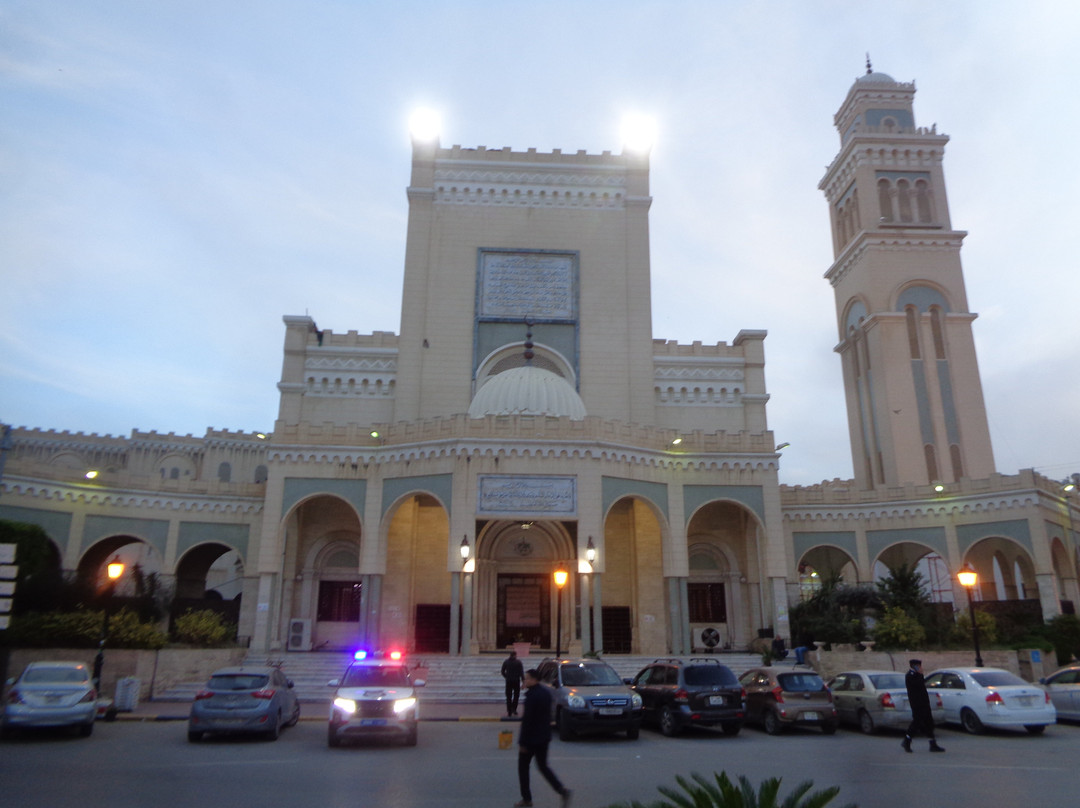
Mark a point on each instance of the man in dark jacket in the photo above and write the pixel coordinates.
(922, 719)
(512, 672)
(534, 738)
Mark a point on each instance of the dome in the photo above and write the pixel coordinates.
(527, 390)
(874, 78)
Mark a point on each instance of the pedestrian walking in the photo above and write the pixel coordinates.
(922, 719)
(513, 673)
(534, 738)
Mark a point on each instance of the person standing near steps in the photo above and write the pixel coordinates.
(922, 719)
(512, 672)
(534, 738)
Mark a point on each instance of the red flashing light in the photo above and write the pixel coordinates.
(396, 655)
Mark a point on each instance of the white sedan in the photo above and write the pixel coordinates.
(1064, 689)
(977, 698)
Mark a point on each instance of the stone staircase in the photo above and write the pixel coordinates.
(450, 679)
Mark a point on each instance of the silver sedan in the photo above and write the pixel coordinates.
(871, 699)
(51, 694)
(1064, 689)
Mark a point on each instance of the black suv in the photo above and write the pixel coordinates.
(590, 698)
(677, 693)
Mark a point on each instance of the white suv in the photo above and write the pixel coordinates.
(375, 697)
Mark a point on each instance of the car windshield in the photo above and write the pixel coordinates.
(55, 675)
(800, 682)
(709, 675)
(238, 681)
(582, 674)
(997, 678)
(885, 681)
(376, 676)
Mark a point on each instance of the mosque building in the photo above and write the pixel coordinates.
(421, 488)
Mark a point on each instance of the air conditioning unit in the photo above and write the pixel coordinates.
(708, 637)
(299, 635)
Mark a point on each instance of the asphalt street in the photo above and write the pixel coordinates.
(134, 764)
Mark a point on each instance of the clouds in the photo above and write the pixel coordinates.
(177, 176)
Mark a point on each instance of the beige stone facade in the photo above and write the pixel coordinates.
(526, 414)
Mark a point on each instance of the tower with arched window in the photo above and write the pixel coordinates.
(914, 399)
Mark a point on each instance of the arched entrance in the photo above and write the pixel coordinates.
(824, 561)
(195, 584)
(515, 598)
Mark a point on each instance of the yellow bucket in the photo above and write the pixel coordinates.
(506, 739)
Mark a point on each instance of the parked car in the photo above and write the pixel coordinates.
(244, 700)
(874, 699)
(991, 697)
(676, 693)
(590, 698)
(1064, 689)
(51, 694)
(376, 697)
(781, 697)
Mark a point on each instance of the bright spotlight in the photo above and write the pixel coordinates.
(424, 125)
(638, 133)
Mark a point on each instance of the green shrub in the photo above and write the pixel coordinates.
(988, 634)
(897, 629)
(82, 629)
(702, 793)
(1064, 632)
(202, 627)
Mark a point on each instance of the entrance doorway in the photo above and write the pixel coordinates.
(524, 610)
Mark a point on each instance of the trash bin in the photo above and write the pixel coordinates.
(127, 694)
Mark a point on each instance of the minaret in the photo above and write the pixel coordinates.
(914, 398)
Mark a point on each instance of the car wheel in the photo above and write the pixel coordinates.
(731, 727)
(295, 716)
(86, 730)
(633, 733)
(566, 732)
(332, 739)
(669, 724)
(970, 722)
(1035, 729)
(866, 723)
(772, 722)
(194, 736)
(828, 728)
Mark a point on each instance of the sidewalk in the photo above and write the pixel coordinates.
(314, 711)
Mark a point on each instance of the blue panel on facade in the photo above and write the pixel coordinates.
(612, 489)
(154, 532)
(931, 537)
(440, 486)
(56, 524)
(299, 488)
(922, 298)
(694, 496)
(805, 541)
(1015, 529)
(193, 533)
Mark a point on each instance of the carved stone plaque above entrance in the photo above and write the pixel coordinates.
(527, 284)
(527, 495)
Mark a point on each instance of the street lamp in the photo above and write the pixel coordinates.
(561, 577)
(968, 579)
(465, 549)
(114, 569)
(590, 551)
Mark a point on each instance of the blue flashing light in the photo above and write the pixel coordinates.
(360, 655)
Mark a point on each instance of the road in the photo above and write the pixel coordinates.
(459, 764)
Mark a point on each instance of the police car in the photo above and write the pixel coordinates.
(375, 697)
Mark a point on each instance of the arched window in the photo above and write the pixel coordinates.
(884, 192)
(261, 474)
(931, 462)
(937, 325)
(903, 197)
(224, 473)
(912, 315)
(957, 463)
(922, 201)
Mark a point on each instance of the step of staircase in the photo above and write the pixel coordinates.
(450, 679)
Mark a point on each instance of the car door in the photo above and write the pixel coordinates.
(843, 698)
(757, 689)
(950, 687)
(1065, 693)
(644, 685)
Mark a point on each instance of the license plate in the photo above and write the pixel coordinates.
(716, 701)
(1026, 701)
(811, 716)
(373, 722)
(610, 711)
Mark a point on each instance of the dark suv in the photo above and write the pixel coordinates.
(590, 698)
(677, 693)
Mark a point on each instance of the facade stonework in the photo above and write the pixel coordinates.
(419, 489)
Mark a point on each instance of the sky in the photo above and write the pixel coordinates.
(175, 177)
